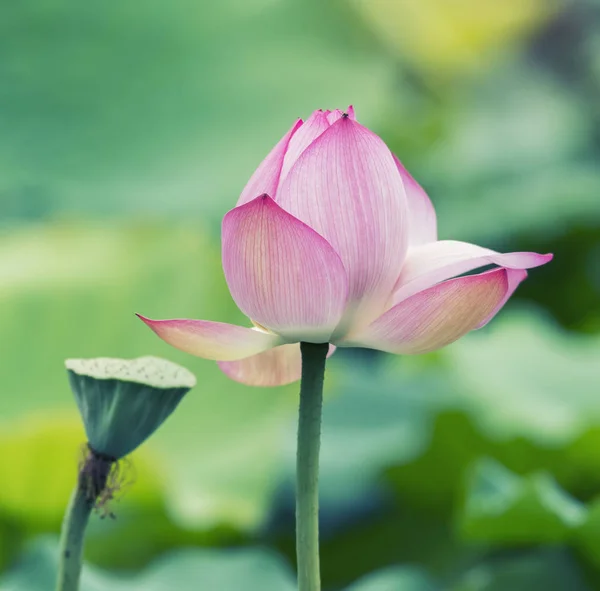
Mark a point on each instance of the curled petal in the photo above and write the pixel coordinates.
(281, 273)
(266, 177)
(439, 315)
(432, 263)
(347, 187)
(276, 367)
(515, 278)
(212, 340)
(422, 221)
(309, 131)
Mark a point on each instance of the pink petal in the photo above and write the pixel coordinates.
(313, 127)
(347, 187)
(333, 116)
(281, 273)
(439, 315)
(422, 221)
(276, 367)
(266, 177)
(515, 278)
(432, 263)
(212, 340)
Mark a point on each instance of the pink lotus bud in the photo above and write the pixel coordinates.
(333, 241)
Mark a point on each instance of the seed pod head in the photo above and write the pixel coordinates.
(123, 401)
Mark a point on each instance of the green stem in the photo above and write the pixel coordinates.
(71, 540)
(307, 465)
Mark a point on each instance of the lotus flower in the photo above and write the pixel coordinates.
(333, 241)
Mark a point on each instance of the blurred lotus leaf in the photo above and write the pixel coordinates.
(525, 153)
(502, 507)
(521, 390)
(445, 37)
(372, 419)
(39, 458)
(588, 535)
(537, 570)
(60, 284)
(395, 579)
(520, 364)
(185, 570)
(162, 106)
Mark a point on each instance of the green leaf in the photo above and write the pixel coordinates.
(72, 292)
(516, 374)
(164, 106)
(541, 150)
(395, 579)
(587, 538)
(371, 420)
(501, 507)
(185, 570)
(519, 390)
(540, 570)
(39, 457)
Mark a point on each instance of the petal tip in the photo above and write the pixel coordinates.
(157, 326)
(144, 319)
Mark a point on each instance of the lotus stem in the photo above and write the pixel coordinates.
(307, 466)
(72, 538)
(91, 486)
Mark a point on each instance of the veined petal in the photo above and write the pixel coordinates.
(212, 340)
(422, 221)
(266, 177)
(515, 278)
(347, 187)
(437, 316)
(276, 367)
(432, 263)
(309, 131)
(281, 273)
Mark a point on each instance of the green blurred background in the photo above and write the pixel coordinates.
(127, 130)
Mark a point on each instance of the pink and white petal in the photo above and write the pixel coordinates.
(281, 273)
(310, 130)
(266, 177)
(437, 316)
(212, 340)
(422, 221)
(432, 263)
(347, 187)
(515, 278)
(276, 367)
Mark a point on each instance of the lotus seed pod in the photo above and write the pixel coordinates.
(122, 402)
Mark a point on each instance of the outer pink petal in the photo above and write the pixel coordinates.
(347, 187)
(515, 278)
(432, 263)
(281, 273)
(212, 340)
(422, 221)
(276, 367)
(266, 177)
(312, 128)
(439, 315)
